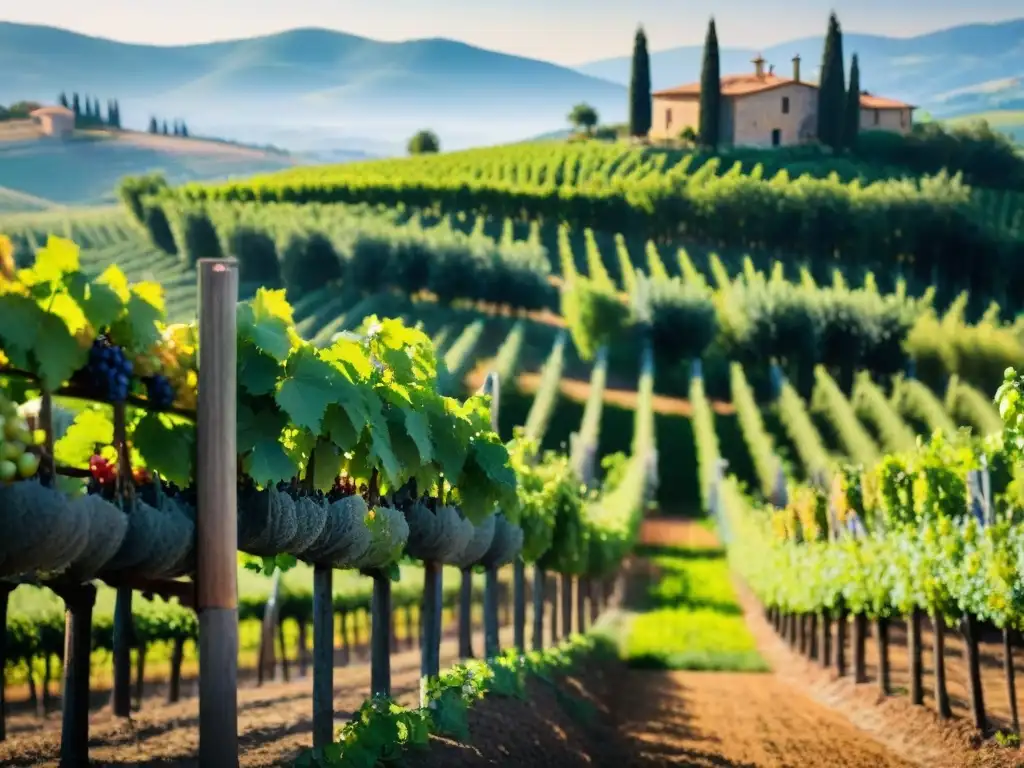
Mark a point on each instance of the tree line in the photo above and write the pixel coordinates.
(89, 113)
(176, 128)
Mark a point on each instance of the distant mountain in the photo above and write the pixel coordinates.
(313, 79)
(954, 71)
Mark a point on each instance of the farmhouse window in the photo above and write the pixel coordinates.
(668, 118)
(878, 117)
(785, 105)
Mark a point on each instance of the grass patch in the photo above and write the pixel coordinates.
(688, 617)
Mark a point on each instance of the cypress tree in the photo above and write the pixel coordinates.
(116, 120)
(710, 91)
(76, 105)
(63, 100)
(153, 127)
(165, 131)
(184, 129)
(852, 116)
(831, 90)
(640, 87)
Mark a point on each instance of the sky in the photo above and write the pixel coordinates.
(563, 31)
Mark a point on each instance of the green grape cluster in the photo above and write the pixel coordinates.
(19, 454)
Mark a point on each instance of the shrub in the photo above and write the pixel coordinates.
(680, 316)
(257, 256)
(309, 262)
(596, 317)
(370, 262)
(198, 237)
(133, 189)
(159, 228)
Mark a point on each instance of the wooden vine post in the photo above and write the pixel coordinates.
(216, 518)
(492, 388)
(121, 696)
(916, 657)
(539, 588)
(74, 737)
(380, 617)
(323, 656)
(430, 633)
(566, 594)
(466, 614)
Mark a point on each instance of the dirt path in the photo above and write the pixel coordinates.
(744, 720)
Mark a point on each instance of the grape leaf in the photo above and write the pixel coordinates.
(349, 355)
(167, 445)
(268, 463)
(338, 427)
(91, 427)
(258, 421)
(264, 321)
(311, 385)
(492, 457)
(417, 425)
(137, 330)
(64, 306)
(152, 293)
(327, 463)
(57, 259)
(20, 328)
(57, 353)
(257, 371)
(114, 279)
(100, 303)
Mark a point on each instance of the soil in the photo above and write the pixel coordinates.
(579, 390)
(731, 719)
(274, 721)
(667, 532)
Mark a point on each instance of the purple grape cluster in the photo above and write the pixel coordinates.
(159, 391)
(109, 371)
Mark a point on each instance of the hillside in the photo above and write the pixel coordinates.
(970, 68)
(313, 78)
(86, 169)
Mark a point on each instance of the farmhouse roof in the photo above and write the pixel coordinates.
(52, 111)
(745, 85)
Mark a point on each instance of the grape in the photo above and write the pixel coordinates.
(108, 373)
(159, 391)
(28, 464)
(102, 470)
(8, 469)
(12, 450)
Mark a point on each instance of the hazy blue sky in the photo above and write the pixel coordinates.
(566, 31)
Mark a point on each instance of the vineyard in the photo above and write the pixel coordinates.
(437, 404)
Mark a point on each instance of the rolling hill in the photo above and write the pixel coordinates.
(313, 79)
(36, 174)
(961, 70)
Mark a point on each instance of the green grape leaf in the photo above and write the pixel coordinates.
(449, 444)
(20, 328)
(137, 330)
(258, 421)
(101, 303)
(167, 444)
(327, 463)
(311, 385)
(268, 463)
(417, 425)
(64, 306)
(58, 258)
(266, 320)
(475, 494)
(403, 446)
(492, 457)
(381, 450)
(337, 426)
(350, 356)
(257, 371)
(115, 280)
(57, 353)
(298, 444)
(91, 427)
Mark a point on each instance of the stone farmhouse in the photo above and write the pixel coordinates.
(763, 109)
(58, 122)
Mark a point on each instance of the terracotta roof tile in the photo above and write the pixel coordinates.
(744, 85)
(52, 111)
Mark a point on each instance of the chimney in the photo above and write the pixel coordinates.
(759, 66)
(796, 68)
